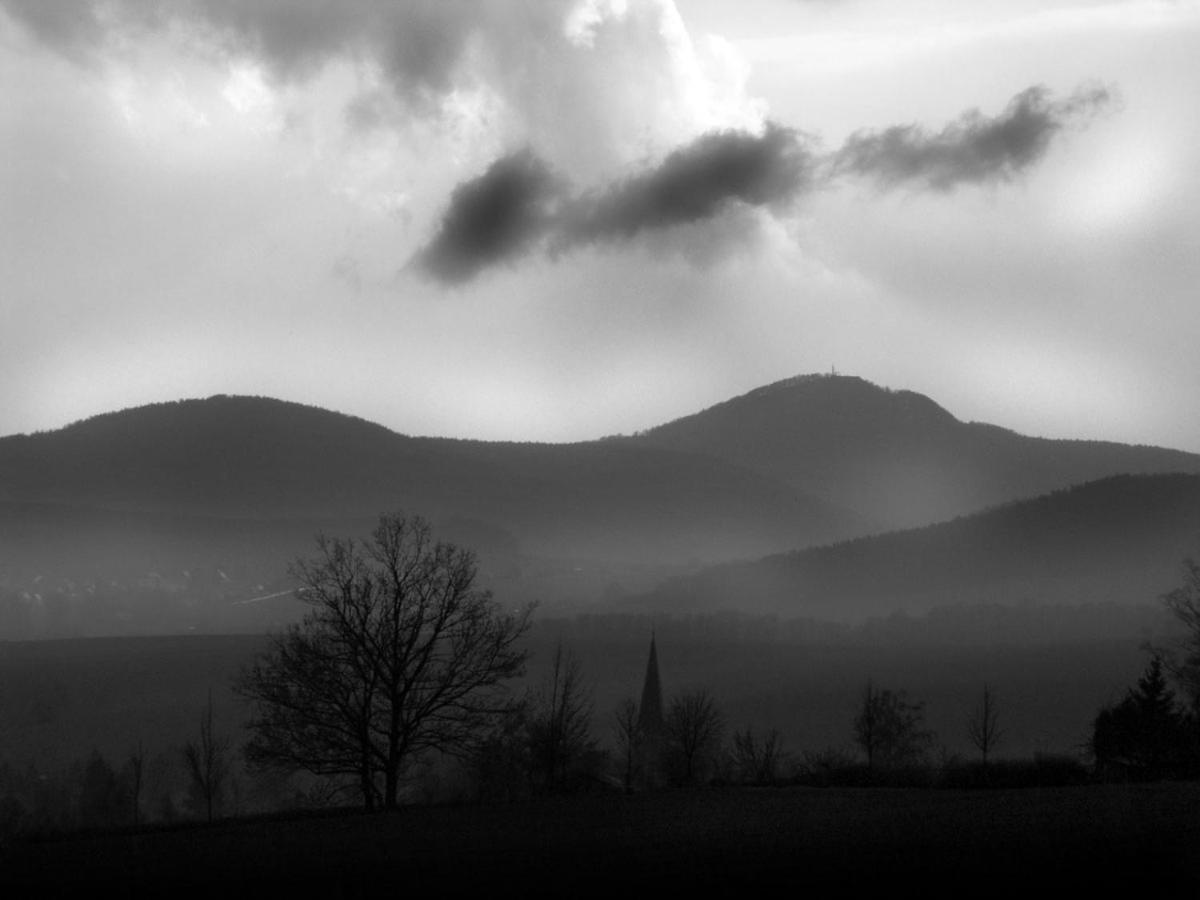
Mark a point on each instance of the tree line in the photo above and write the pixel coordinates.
(402, 659)
(402, 654)
(196, 779)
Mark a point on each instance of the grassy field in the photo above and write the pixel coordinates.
(729, 842)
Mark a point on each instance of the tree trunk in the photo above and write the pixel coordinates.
(366, 783)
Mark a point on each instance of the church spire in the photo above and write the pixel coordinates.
(650, 713)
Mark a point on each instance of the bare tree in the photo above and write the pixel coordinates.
(628, 731)
(399, 654)
(983, 725)
(867, 726)
(102, 795)
(499, 762)
(694, 726)
(757, 759)
(1183, 661)
(561, 722)
(889, 729)
(207, 761)
(137, 768)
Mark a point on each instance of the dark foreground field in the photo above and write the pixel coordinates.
(1142, 841)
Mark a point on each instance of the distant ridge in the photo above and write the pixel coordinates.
(184, 409)
(134, 504)
(896, 457)
(264, 459)
(1120, 539)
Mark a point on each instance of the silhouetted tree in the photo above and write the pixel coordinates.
(693, 726)
(628, 732)
(137, 769)
(1184, 663)
(101, 794)
(1145, 735)
(889, 728)
(983, 725)
(560, 723)
(757, 759)
(399, 654)
(499, 762)
(207, 762)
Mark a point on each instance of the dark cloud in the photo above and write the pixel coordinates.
(418, 44)
(495, 217)
(972, 150)
(694, 183)
(511, 208)
(517, 206)
(576, 80)
(71, 28)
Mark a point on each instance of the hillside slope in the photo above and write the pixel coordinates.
(894, 456)
(1119, 539)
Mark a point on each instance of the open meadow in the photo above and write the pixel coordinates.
(1143, 839)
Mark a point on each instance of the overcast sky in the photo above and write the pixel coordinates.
(560, 220)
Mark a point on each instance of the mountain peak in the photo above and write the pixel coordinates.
(847, 388)
(895, 456)
(844, 408)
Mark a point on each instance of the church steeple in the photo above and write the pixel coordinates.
(650, 713)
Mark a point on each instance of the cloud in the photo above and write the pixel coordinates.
(591, 84)
(696, 182)
(418, 43)
(492, 218)
(518, 205)
(973, 150)
(588, 87)
(72, 29)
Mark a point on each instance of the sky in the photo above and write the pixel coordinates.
(565, 219)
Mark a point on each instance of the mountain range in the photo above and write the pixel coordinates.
(245, 458)
(239, 485)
